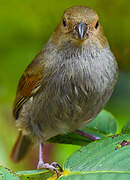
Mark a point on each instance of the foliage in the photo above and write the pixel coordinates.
(103, 159)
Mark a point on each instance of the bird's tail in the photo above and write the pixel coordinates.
(20, 148)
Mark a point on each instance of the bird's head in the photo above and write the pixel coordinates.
(78, 26)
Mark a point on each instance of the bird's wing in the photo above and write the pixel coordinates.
(29, 84)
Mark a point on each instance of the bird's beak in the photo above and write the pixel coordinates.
(81, 28)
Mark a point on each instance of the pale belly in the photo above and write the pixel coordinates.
(45, 116)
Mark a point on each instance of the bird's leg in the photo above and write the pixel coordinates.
(51, 166)
(87, 135)
(40, 162)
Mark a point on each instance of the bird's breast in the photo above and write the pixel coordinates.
(76, 86)
(90, 69)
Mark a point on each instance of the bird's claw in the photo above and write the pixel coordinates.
(53, 167)
(55, 164)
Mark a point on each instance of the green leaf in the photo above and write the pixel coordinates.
(98, 176)
(70, 138)
(126, 128)
(103, 125)
(7, 174)
(42, 174)
(109, 157)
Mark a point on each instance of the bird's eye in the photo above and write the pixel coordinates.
(97, 24)
(64, 22)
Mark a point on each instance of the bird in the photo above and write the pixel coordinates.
(66, 85)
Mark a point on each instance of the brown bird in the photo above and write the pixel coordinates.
(66, 85)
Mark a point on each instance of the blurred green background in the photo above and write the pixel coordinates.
(25, 27)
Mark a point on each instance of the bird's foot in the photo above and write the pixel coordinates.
(53, 167)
